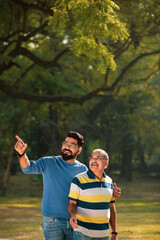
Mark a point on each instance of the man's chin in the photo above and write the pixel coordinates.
(67, 157)
(94, 168)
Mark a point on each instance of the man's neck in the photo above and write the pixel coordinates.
(69, 160)
(99, 176)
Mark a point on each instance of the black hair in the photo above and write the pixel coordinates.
(76, 136)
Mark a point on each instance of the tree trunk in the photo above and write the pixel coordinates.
(143, 166)
(85, 154)
(10, 157)
(55, 139)
(7, 171)
(126, 169)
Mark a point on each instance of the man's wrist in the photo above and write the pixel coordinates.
(20, 155)
(115, 233)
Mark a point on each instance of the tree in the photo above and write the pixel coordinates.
(25, 37)
(57, 65)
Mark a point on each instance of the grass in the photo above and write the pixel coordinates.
(20, 218)
(138, 210)
(138, 219)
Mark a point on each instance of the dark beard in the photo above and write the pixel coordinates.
(68, 157)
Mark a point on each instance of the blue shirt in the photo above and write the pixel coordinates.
(57, 177)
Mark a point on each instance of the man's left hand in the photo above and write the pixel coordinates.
(116, 191)
(114, 237)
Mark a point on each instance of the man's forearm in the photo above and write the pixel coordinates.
(72, 209)
(113, 218)
(23, 161)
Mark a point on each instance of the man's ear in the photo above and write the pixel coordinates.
(106, 163)
(79, 150)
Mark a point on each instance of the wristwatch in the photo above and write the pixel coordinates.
(20, 155)
(115, 233)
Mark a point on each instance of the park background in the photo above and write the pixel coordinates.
(91, 67)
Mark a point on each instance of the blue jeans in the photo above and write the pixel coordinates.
(56, 228)
(79, 236)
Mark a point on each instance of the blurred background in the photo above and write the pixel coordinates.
(87, 66)
(46, 89)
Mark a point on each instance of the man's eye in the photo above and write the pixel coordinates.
(73, 146)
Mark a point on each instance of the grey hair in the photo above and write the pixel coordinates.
(105, 154)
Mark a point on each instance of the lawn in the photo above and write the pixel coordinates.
(138, 210)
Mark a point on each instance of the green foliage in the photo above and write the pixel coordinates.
(93, 50)
(90, 24)
(113, 110)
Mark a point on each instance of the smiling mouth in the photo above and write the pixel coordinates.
(94, 165)
(66, 151)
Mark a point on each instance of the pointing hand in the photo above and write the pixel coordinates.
(20, 146)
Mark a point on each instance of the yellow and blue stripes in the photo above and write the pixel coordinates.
(93, 203)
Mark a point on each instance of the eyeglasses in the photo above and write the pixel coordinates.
(97, 158)
(70, 145)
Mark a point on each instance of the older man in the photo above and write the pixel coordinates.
(91, 206)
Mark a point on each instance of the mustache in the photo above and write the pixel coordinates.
(94, 164)
(65, 149)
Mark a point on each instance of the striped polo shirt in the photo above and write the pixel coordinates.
(93, 198)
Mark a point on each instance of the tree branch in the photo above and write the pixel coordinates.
(6, 39)
(23, 75)
(26, 53)
(34, 32)
(12, 92)
(147, 77)
(7, 66)
(20, 32)
(123, 48)
(44, 8)
(134, 61)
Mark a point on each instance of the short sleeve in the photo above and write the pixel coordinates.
(74, 189)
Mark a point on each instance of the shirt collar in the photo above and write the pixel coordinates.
(92, 176)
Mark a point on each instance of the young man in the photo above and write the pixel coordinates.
(91, 206)
(58, 172)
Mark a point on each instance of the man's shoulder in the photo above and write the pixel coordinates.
(81, 175)
(79, 164)
(108, 179)
(48, 158)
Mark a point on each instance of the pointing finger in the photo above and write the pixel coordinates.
(19, 139)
